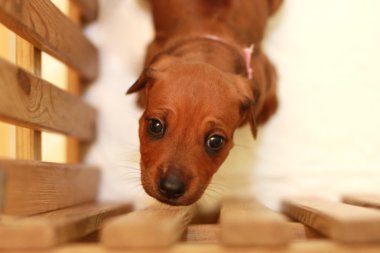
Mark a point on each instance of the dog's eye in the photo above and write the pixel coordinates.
(215, 142)
(155, 128)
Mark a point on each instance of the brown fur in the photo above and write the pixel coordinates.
(199, 86)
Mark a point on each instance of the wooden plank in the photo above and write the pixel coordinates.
(247, 222)
(30, 187)
(43, 25)
(31, 102)
(156, 226)
(210, 233)
(28, 141)
(301, 232)
(88, 9)
(53, 228)
(204, 233)
(342, 222)
(316, 246)
(366, 200)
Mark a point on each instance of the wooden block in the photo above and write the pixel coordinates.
(342, 222)
(204, 233)
(366, 200)
(43, 25)
(156, 226)
(49, 229)
(30, 187)
(88, 8)
(29, 101)
(247, 222)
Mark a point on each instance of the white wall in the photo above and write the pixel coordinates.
(325, 138)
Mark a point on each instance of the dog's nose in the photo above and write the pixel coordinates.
(171, 187)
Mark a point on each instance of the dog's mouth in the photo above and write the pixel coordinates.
(185, 200)
(175, 202)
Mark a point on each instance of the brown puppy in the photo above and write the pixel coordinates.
(198, 86)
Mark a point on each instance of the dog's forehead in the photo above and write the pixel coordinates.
(197, 91)
(199, 107)
(195, 82)
(193, 93)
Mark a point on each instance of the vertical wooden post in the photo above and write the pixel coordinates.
(5, 129)
(28, 141)
(74, 87)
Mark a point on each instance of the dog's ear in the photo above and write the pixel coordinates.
(252, 118)
(248, 103)
(248, 114)
(274, 5)
(156, 70)
(146, 75)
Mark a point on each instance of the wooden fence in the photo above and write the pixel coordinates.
(42, 203)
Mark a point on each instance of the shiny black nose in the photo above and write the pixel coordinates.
(171, 187)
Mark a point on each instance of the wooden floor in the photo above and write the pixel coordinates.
(243, 225)
(320, 246)
(206, 238)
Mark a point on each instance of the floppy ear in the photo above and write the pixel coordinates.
(248, 104)
(248, 114)
(156, 69)
(146, 75)
(253, 115)
(274, 5)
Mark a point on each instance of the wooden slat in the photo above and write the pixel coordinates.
(156, 226)
(342, 222)
(366, 200)
(28, 141)
(301, 232)
(49, 229)
(88, 8)
(316, 246)
(30, 187)
(210, 233)
(205, 233)
(42, 24)
(28, 101)
(247, 222)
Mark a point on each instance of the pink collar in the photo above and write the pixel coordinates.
(248, 51)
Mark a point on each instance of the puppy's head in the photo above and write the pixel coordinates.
(186, 130)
